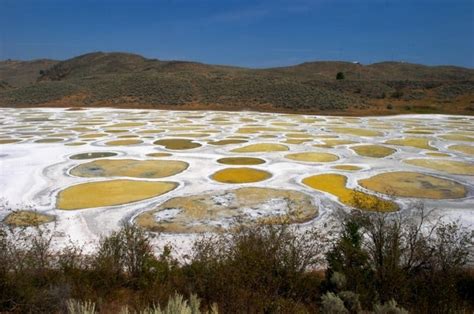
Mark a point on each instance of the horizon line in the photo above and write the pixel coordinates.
(239, 66)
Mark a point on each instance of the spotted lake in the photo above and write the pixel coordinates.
(182, 173)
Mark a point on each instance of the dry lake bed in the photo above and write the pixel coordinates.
(184, 173)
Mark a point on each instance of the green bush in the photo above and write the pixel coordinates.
(257, 268)
(332, 304)
(126, 252)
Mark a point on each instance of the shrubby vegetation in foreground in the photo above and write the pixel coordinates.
(378, 263)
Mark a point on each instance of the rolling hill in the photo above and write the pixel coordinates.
(22, 73)
(129, 80)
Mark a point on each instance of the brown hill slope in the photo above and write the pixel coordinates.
(129, 80)
(95, 63)
(383, 71)
(23, 73)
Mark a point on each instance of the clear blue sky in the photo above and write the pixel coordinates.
(246, 33)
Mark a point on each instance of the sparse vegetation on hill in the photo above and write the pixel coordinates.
(4, 85)
(128, 80)
(23, 73)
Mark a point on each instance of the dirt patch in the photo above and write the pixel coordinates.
(417, 142)
(457, 137)
(158, 155)
(123, 142)
(312, 157)
(218, 211)
(49, 140)
(245, 161)
(130, 168)
(227, 142)
(443, 165)
(9, 141)
(375, 151)
(261, 148)
(466, 149)
(177, 144)
(240, 175)
(413, 184)
(26, 218)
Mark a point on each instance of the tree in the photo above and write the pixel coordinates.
(340, 76)
(412, 260)
(125, 253)
(349, 259)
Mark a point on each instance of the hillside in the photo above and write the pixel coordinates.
(129, 80)
(23, 73)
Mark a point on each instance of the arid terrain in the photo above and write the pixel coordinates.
(118, 196)
(131, 81)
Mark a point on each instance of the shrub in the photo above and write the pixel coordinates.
(408, 259)
(340, 76)
(29, 281)
(126, 253)
(397, 94)
(257, 268)
(351, 301)
(80, 307)
(378, 258)
(177, 304)
(332, 304)
(348, 258)
(338, 280)
(391, 307)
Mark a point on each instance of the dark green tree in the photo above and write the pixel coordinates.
(348, 257)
